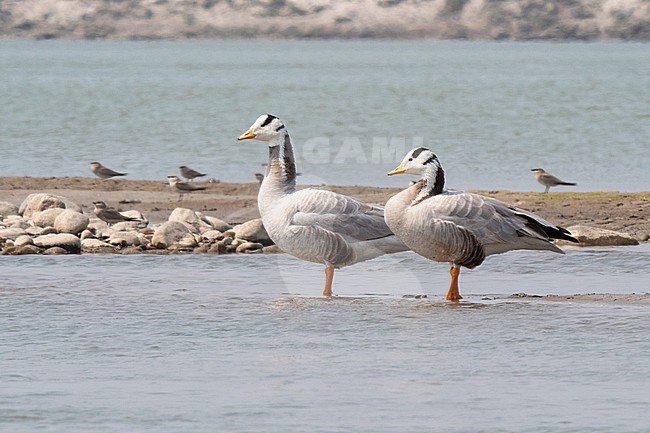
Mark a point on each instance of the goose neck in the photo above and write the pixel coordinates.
(432, 183)
(281, 171)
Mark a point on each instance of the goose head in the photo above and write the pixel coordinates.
(267, 127)
(424, 163)
(418, 161)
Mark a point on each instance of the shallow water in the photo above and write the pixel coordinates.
(490, 110)
(244, 343)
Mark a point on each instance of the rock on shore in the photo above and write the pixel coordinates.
(7, 209)
(593, 236)
(440, 19)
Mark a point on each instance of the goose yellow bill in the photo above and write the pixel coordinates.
(398, 170)
(246, 135)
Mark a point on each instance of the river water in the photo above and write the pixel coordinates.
(490, 110)
(206, 343)
(200, 343)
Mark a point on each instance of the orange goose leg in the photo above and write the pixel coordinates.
(452, 294)
(329, 278)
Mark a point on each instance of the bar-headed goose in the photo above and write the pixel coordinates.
(460, 227)
(313, 224)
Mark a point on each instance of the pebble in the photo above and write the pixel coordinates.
(132, 250)
(20, 250)
(71, 222)
(252, 230)
(124, 239)
(39, 202)
(11, 233)
(23, 240)
(169, 233)
(47, 217)
(91, 244)
(248, 247)
(21, 224)
(7, 209)
(55, 251)
(212, 235)
(594, 236)
(67, 241)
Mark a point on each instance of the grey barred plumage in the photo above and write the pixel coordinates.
(459, 227)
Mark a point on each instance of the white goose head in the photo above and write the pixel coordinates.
(267, 127)
(423, 162)
(418, 161)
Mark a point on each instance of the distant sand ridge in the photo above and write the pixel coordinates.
(439, 19)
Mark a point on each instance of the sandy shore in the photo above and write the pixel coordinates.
(237, 202)
(623, 298)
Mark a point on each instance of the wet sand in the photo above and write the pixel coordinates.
(237, 202)
(619, 298)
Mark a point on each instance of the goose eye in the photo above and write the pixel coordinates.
(410, 159)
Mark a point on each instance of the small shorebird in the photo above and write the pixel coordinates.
(460, 227)
(102, 171)
(188, 173)
(259, 177)
(110, 215)
(548, 180)
(182, 187)
(313, 224)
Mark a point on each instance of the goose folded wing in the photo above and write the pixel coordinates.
(346, 216)
(489, 220)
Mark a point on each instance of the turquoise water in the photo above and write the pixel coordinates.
(201, 343)
(490, 110)
(245, 343)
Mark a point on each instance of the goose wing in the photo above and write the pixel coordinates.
(498, 226)
(488, 222)
(354, 220)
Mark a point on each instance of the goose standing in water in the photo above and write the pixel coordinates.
(460, 227)
(312, 224)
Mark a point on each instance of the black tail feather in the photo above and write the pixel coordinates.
(553, 232)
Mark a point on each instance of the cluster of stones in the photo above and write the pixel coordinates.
(50, 224)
